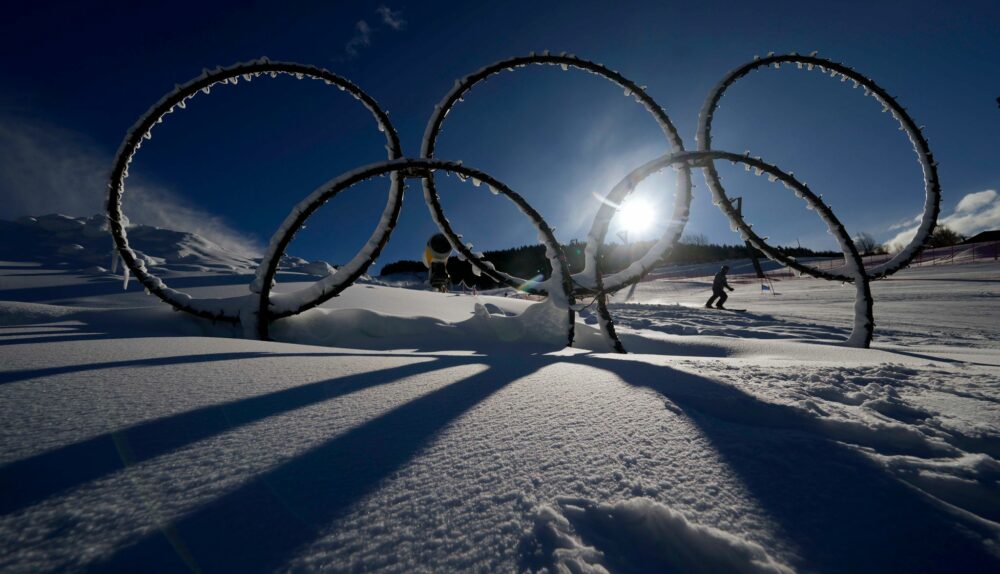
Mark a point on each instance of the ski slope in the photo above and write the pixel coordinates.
(401, 430)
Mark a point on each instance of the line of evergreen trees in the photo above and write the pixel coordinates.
(528, 261)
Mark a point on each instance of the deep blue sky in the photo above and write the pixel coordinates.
(249, 153)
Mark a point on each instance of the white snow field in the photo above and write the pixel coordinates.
(400, 430)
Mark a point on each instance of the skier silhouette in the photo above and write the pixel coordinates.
(718, 284)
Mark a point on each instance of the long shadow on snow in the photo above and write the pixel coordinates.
(26, 374)
(940, 359)
(71, 336)
(841, 512)
(259, 526)
(4, 337)
(836, 507)
(31, 480)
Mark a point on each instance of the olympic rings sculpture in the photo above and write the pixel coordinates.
(256, 311)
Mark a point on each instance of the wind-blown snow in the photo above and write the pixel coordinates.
(405, 430)
(84, 242)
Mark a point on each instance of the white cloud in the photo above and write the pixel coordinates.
(391, 19)
(976, 212)
(909, 222)
(901, 240)
(976, 215)
(48, 169)
(975, 201)
(363, 31)
(362, 37)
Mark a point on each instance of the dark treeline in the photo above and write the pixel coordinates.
(528, 261)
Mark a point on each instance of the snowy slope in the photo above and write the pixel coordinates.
(82, 243)
(401, 430)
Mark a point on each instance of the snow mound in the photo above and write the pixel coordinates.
(637, 535)
(542, 327)
(292, 264)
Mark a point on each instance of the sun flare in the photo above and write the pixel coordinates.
(635, 216)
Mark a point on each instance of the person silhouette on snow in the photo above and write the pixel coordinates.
(436, 256)
(718, 284)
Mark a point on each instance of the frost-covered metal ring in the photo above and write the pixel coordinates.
(270, 307)
(228, 310)
(863, 326)
(932, 187)
(258, 309)
(586, 280)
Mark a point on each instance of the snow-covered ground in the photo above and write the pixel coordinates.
(401, 430)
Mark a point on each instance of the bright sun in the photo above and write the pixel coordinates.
(635, 216)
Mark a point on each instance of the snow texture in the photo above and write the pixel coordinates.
(641, 535)
(396, 429)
